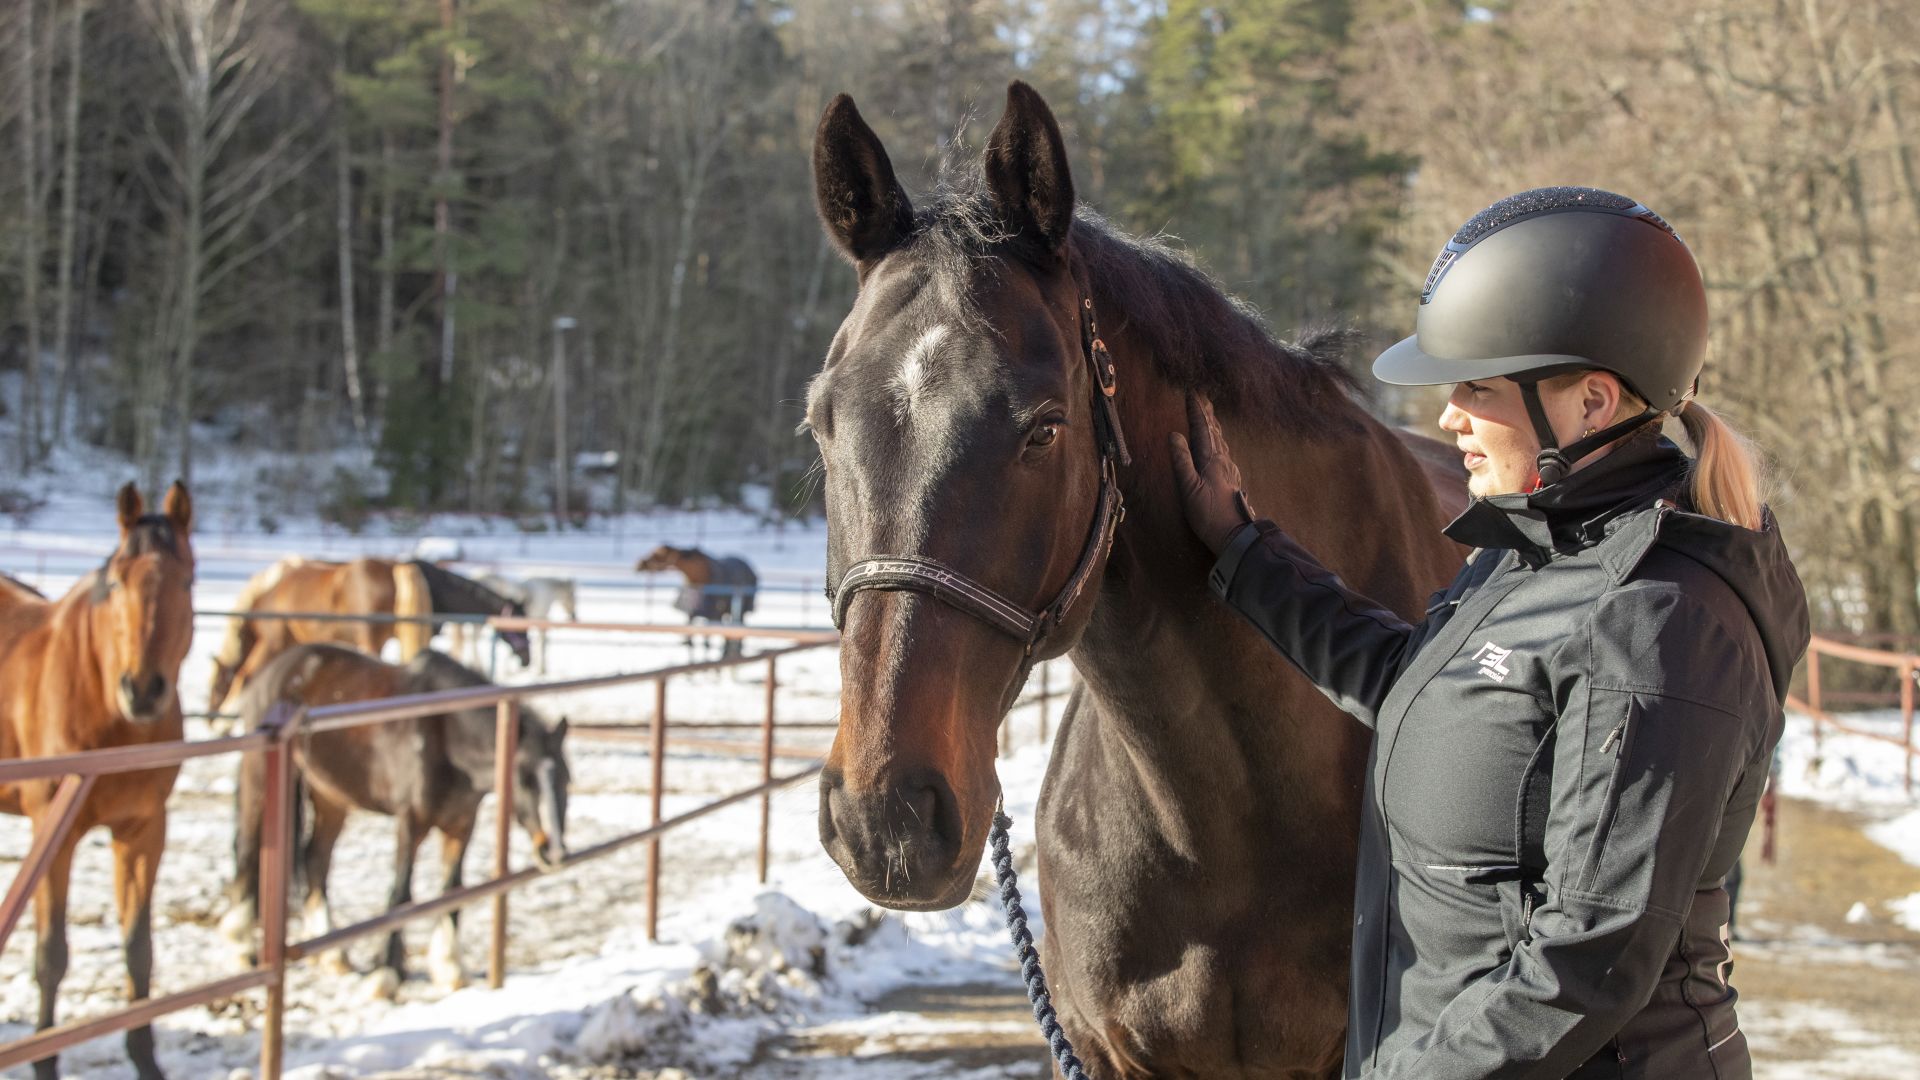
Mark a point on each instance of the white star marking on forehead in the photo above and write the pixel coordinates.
(915, 371)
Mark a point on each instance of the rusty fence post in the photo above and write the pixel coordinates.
(276, 861)
(766, 772)
(1813, 695)
(1046, 698)
(53, 830)
(659, 764)
(1906, 719)
(506, 744)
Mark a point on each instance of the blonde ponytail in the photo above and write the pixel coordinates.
(1726, 470)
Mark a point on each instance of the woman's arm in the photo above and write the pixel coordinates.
(1349, 646)
(1656, 734)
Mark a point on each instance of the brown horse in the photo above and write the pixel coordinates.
(359, 587)
(428, 774)
(101, 667)
(1197, 824)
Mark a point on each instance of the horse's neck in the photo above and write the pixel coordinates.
(1178, 690)
(697, 568)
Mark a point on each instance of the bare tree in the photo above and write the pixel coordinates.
(69, 219)
(224, 62)
(27, 68)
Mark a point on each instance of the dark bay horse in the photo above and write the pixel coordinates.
(1197, 824)
(297, 584)
(428, 774)
(100, 667)
(718, 590)
(449, 593)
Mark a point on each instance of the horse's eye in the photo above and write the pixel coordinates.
(1045, 434)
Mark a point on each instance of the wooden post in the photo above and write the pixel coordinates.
(659, 754)
(506, 744)
(766, 773)
(1046, 697)
(276, 855)
(1813, 696)
(1906, 718)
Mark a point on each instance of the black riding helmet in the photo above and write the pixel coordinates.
(1561, 279)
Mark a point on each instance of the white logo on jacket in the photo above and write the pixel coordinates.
(1492, 661)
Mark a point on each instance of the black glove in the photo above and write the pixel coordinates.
(1207, 479)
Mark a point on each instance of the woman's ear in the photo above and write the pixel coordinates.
(1600, 395)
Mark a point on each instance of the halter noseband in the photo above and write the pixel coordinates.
(916, 573)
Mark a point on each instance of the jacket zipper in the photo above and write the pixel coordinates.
(1617, 741)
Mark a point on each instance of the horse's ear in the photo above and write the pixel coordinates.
(862, 205)
(179, 507)
(130, 505)
(560, 730)
(1027, 171)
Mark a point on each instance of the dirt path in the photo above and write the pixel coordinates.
(1821, 997)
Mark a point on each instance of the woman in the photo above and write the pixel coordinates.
(1569, 746)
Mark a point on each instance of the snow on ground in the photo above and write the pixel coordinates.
(774, 981)
(1858, 774)
(738, 964)
(1866, 778)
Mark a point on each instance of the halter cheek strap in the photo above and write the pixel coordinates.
(918, 573)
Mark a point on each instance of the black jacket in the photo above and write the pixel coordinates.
(1568, 751)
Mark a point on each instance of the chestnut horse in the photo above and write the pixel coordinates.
(100, 667)
(359, 587)
(1197, 825)
(719, 591)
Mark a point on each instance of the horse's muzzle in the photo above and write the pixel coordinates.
(900, 846)
(143, 698)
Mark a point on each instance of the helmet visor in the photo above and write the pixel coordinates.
(1406, 364)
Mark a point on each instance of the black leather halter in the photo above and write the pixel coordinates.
(915, 573)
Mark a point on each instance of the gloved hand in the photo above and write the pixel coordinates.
(1207, 478)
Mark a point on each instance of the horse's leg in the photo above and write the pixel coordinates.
(137, 846)
(316, 917)
(407, 834)
(50, 944)
(243, 892)
(443, 954)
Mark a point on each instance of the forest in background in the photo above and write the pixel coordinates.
(385, 234)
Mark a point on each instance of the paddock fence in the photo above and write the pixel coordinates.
(1907, 667)
(76, 773)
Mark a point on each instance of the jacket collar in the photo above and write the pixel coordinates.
(1580, 511)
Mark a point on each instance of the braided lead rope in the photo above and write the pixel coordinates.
(1036, 980)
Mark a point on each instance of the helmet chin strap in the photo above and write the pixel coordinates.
(1555, 462)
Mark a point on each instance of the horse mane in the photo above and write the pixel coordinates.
(433, 670)
(412, 599)
(151, 533)
(22, 590)
(233, 646)
(1197, 335)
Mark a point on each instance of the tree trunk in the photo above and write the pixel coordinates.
(29, 414)
(442, 214)
(69, 215)
(343, 230)
(383, 331)
(197, 107)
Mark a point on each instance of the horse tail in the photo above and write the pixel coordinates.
(412, 602)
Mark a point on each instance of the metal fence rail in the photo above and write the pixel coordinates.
(276, 740)
(1907, 664)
